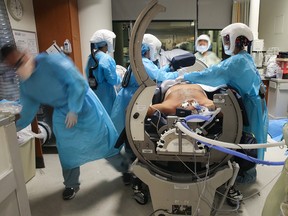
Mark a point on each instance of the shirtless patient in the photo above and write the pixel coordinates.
(179, 94)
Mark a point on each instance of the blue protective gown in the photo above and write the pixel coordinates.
(106, 77)
(159, 75)
(121, 102)
(239, 72)
(125, 94)
(55, 81)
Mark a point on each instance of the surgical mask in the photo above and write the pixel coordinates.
(202, 48)
(227, 50)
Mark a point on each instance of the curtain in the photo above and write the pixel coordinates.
(240, 11)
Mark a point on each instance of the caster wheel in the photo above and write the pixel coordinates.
(140, 198)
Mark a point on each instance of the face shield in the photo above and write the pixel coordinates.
(154, 45)
(202, 48)
(227, 45)
(111, 44)
(114, 43)
(158, 45)
(154, 53)
(231, 32)
(226, 40)
(100, 44)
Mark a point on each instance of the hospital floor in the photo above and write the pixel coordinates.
(102, 192)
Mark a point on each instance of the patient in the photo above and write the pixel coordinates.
(187, 96)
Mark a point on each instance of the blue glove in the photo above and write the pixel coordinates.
(71, 119)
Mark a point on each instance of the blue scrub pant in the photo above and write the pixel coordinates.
(71, 177)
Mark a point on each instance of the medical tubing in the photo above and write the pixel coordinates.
(246, 157)
(235, 153)
(208, 118)
(185, 129)
(191, 117)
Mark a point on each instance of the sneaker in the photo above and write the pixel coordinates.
(234, 197)
(136, 184)
(126, 178)
(69, 193)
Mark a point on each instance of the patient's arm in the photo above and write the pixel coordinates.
(168, 107)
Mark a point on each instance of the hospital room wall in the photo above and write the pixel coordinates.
(93, 15)
(273, 23)
(27, 23)
(47, 30)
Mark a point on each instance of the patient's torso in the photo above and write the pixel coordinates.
(177, 94)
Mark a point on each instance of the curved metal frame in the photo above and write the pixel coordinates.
(138, 106)
(139, 113)
(139, 28)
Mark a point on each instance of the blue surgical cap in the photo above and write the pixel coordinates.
(144, 49)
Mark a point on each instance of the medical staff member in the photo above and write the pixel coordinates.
(150, 49)
(208, 57)
(102, 67)
(82, 127)
(239, 72)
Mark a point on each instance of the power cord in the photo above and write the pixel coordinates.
(194, 173)
(258, 192)
(200, 179)
(244, 198)
(158, 120)
(204, 187)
